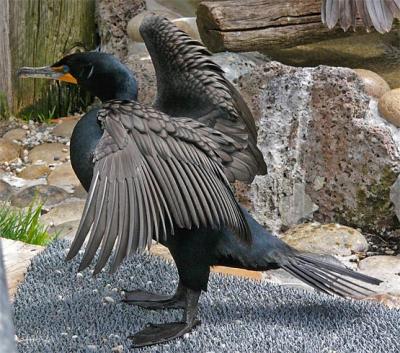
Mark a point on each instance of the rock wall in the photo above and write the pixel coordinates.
(331, 157)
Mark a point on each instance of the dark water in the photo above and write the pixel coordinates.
(376, 52)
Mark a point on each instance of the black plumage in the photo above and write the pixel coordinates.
(163, 173)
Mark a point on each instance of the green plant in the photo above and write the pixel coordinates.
(24, 225)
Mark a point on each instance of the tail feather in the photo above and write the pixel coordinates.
(327, 277)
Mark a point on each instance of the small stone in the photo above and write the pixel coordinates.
(109, 300)
(64, 334)
(64, 212)
(333, 239)
(48, 152)
(74, 337)
(15, 135)
(8, 151)
(118, 349)
(65, 128)
(63, 176)
(374, 85)
(25, 127)
(34, 171)
(79, 275)
(65, 230)
(389, 106)
(50, 195)
(5, 190)
(91, 347)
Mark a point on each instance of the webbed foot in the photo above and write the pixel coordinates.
(160, 333)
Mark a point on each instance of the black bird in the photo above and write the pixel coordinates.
(163, 173)
(376, 13)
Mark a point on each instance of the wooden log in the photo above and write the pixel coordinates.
(250, 25)
(37, 33)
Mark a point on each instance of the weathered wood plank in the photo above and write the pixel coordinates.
(5, 62)
(248, 25)
(40, 32)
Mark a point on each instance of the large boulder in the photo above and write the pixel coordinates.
(112, 19)
(330, 156)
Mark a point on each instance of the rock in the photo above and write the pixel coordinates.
(112, 20)
(50, 195)
(391, 301)
(63, 176)
(326, 148)
(5, 190)
(66, 230)
(64, 212)
(34, 171)
(8, 151)
(386, 268)
(389, 106)
(188, 25)
(65, 128)
(145, 74)
(374, 85)
(17, 258)
(236, 65)
(332, 239)
(395, 196)
(79, 192)
(49, 153)
(15, 135)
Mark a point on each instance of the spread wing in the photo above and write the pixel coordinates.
(153, 173)
(377, 13)
(191, 85)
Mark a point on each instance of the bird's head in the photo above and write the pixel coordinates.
(101, 74)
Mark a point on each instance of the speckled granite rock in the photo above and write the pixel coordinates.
(5, 190)
(330, 156)
(112, 19)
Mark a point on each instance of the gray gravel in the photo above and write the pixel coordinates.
(57, 310)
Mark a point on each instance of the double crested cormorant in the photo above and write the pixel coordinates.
(163, 173)
(377, 13)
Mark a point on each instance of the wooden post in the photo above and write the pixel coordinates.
(37, 33)
(7, 341)
(250, 25)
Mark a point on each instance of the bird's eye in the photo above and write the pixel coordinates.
(65, 69)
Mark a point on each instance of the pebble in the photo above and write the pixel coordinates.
(65, 128)
(74, 337)
(117, 349)
(15, 135)
(333, 239)
(34, 171)
(8, 151)
(48, 152)
(389, 106)
(63, 176)
(374, 85)
(50, 195)
(109, 300)
(91, 347)
(5, 190)
(79, 275)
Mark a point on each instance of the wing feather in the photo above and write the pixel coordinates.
(142, 191)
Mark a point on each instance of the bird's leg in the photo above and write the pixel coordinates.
(156, 301)
(159, 333)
